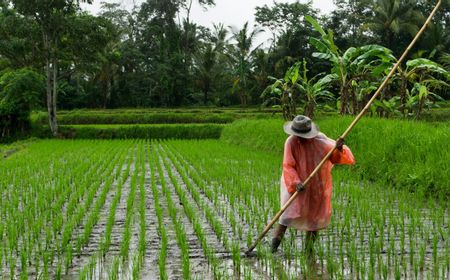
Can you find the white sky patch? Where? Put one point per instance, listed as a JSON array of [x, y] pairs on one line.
[[229, 12]]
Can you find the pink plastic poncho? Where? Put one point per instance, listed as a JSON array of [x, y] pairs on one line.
[[311, 210]]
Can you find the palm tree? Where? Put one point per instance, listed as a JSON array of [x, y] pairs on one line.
[[241, 57], [208, 59], [394, 17]]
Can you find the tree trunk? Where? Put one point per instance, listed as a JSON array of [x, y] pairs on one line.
[[309, 109], [51, 107], [54, 92], [108, 92], [343, 100], [354, 102], [403, 95], [243, 98], [51, 83], [205, 97]]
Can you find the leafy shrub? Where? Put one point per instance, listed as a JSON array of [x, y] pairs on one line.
[[19, 92], [403, 154]]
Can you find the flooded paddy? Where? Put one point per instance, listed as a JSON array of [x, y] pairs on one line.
[[189, 209]]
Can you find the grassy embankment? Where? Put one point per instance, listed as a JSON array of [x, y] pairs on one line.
[[144, 123], [404, 154]]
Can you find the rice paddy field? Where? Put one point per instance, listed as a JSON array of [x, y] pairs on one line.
[[188, 209]]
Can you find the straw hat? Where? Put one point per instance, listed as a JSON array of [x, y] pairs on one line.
[[302, 126]]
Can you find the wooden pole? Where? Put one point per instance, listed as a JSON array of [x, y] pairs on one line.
[[347, 131]]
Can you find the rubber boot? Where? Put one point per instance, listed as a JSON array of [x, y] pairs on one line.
[[278, 234]]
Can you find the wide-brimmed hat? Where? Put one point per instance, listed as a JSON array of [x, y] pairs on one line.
[[301, 126]]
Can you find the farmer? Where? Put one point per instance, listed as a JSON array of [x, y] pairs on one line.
[[303, 151]]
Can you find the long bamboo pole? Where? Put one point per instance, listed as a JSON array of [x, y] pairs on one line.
[[347, 131]]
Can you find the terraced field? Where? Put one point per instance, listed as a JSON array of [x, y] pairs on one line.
[[137, 209]]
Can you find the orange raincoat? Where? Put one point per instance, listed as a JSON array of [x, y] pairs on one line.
[[311, 210]]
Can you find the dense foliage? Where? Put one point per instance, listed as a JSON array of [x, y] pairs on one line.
[[156, 56], [19, 93]]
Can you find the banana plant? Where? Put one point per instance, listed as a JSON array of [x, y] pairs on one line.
[[369, 62], [282, 93], [314, 89], [424, 77], [285, 93], [386, 107]]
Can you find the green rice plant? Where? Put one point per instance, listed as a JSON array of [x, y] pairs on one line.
[[124, 248], [112, 213], [236, 255], [163, 255], [114, 273]]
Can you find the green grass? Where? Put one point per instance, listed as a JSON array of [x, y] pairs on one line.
[[154, 116], [402, 154], [136, 118], [158, 131]]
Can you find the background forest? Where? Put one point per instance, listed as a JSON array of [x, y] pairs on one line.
[[54, 55]]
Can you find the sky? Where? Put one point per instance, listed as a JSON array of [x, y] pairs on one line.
[[230, 12]]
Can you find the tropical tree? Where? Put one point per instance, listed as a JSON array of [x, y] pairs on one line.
[[393, 20], [346, 21], [205, 68], [241, 57], [19, 94], [368, 62], [284, 93], [420, 80], [111, 54], [290, 33], [311, 90], [51, 17]]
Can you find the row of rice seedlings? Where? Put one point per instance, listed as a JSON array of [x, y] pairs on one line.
[[158, 210], [210, 214], [124, 247], [33, 240], [234, 247], [129, 221], [140, 255], [101, 199], [235, 214], [20, 239], [106, 242], [121, 175], [93, 216], [232, 193], [192, 216], [404, 232], [394, 229], [173, 212]]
